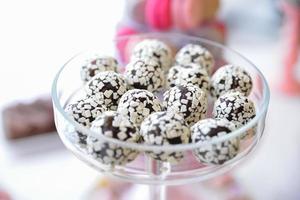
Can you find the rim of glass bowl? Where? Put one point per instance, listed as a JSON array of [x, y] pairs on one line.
[[178, 147]]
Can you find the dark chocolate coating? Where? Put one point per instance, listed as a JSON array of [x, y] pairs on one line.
[[78, 111], [144, 101], [219, 153], [107, 88], [153, 49], [193, 53], [189, 101], [96, 65], [145, 74], [192, 74], [230, 78], [114, 125], [165, 128], [234, 107]]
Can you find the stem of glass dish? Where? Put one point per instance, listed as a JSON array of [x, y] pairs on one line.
[[157, 192], [158, 170]]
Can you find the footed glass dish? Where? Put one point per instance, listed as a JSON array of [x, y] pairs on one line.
[[68, 86]]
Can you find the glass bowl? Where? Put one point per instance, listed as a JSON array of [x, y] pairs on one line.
[[67, 86]]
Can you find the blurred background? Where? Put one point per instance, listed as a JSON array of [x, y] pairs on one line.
[[38, 37]]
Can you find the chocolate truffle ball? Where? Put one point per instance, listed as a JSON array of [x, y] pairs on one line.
[[113, 125], [84, 112], [188, 74], [165, 128], [193, 53], [98, 64], [189, 101], [217, 153], [145, 74], [235, 107], [152, 48], [230, 78], [138, 104], [107, 88], [173, 75]]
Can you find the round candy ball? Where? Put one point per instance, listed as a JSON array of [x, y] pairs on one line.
[[137, 104], [193, 53], [237, 108], [189, 101], [145, 74], [218, 153], [152, 48], [165, 128], [189, 74], [98, 64], [230, 78], [113, 125], [84, 112], [107, 88], [234, 107]]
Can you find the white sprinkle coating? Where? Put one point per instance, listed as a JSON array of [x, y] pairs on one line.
[[152, 48], [113, 125], [189, 74], [107, 88], [84, 112], [165, 128], [145, 74], [218, 153], [137, 104], [98, 64], [189, 101], [173, 75], [193, 53], [230, 78], [234, 107], [237, 108]]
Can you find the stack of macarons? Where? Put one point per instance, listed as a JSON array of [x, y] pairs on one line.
[[193, 17], [171, 14]]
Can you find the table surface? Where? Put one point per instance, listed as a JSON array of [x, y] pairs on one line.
[[50, 35]]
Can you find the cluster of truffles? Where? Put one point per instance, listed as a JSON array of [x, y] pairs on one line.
[[158, 104]]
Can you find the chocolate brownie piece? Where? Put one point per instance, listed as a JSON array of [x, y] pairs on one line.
[[26, 119]]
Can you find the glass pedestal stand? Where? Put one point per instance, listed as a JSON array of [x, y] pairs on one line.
[[68, 86]]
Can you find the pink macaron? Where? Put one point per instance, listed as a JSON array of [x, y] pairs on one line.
[[164, 14], [177, 14], [151, 13], [187, 14], [192, 13], [158, 14], [122, 44]]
